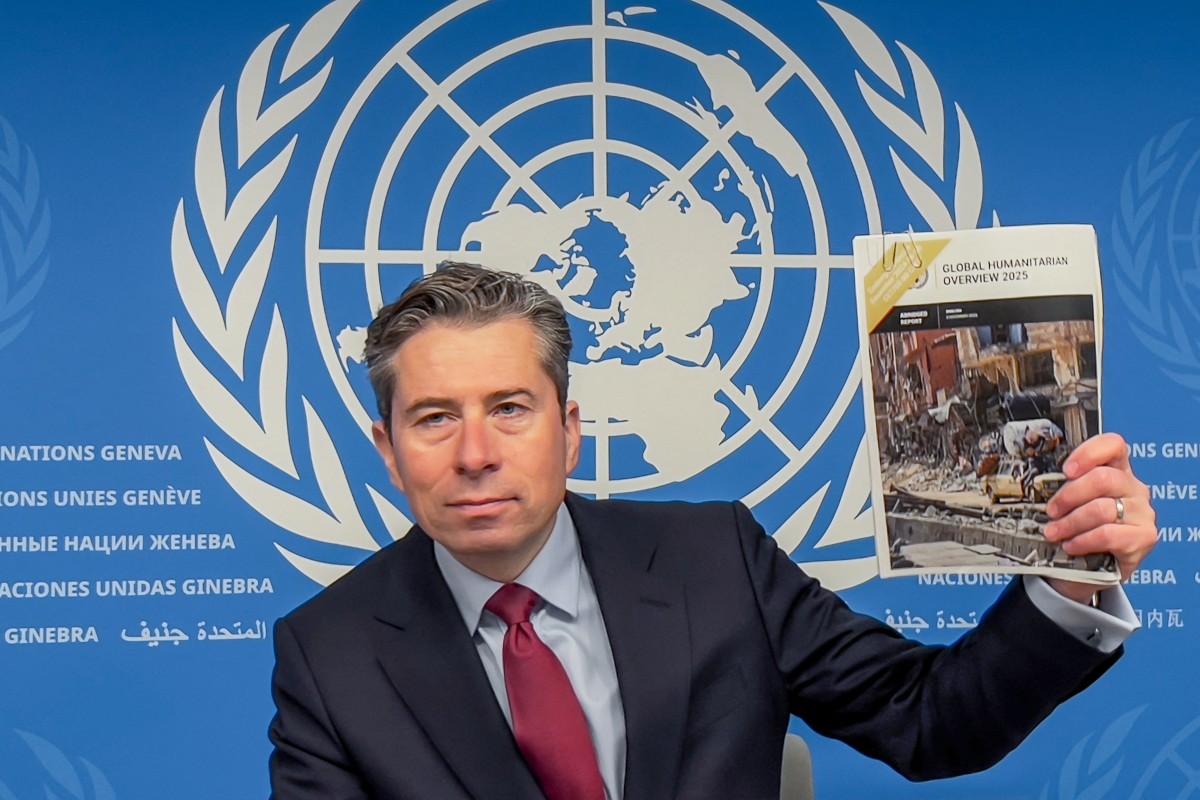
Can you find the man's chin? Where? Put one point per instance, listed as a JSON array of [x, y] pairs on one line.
[[486, 534], [499, 553]]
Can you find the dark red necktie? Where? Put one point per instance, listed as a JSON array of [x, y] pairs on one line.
[[548, 722]]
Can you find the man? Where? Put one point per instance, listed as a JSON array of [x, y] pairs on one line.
[[682, 636], [1041, 453]]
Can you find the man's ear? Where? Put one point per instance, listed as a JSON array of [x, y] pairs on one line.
[[382, 434], [571, 427]]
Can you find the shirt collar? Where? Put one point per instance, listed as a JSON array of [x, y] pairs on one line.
[[553, 574]]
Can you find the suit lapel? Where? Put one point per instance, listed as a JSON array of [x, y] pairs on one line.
[[646, 619], [431, 660]]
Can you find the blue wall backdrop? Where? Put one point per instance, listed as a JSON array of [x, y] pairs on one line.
[[201, 204]]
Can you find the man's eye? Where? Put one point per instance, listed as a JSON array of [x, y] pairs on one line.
[[432, 419], [509, 409]]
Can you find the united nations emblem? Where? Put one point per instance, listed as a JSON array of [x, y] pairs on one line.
[[679, 177]]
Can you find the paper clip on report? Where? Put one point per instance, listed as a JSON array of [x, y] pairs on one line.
[[908, 251]]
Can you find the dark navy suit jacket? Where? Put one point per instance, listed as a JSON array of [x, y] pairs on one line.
[[717, 637]]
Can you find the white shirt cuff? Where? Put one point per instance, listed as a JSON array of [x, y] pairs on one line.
[[1105, 628]]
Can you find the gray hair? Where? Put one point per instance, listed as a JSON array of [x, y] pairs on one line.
[[468, 295]]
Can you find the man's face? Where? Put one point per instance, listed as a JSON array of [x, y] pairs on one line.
[[478, 442]]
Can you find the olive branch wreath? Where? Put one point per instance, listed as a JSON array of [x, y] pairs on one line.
[[924, 135], [225, 325], [1094, 778], [1158, 323], [62, 778], [24, 231]]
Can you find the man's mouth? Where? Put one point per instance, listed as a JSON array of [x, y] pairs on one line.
[[481, 505]]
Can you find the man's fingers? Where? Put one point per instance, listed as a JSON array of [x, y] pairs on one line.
[[1103, 507], [1093, 528], [1130, 544], [1099, 512], [1099, 482], [1106, 449]]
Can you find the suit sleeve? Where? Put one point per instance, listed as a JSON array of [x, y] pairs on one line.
[[929, 712], [308, 760]]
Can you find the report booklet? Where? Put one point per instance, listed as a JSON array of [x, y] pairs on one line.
[[982, 374]]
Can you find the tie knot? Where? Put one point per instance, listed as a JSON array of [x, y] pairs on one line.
[[513, 603]]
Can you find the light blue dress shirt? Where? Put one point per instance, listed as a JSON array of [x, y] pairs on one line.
[[570, 624]]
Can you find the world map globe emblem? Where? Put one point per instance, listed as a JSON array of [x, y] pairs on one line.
[[652, 212]]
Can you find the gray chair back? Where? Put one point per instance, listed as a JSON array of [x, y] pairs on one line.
[[796, 778]]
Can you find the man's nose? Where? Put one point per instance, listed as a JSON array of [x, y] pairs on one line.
[[477, 450]]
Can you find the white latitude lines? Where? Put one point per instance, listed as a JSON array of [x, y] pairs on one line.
[[732, 87], [746, 98], [792, 261], [720, 138], [521, 177], [476, 135], [759, 419]]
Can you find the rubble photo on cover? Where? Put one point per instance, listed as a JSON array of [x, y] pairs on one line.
[[974, 424]]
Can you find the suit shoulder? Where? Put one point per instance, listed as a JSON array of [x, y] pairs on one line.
[[666, 518], [355, 591]]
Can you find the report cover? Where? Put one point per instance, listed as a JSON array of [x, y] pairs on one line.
[[984, 354]]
